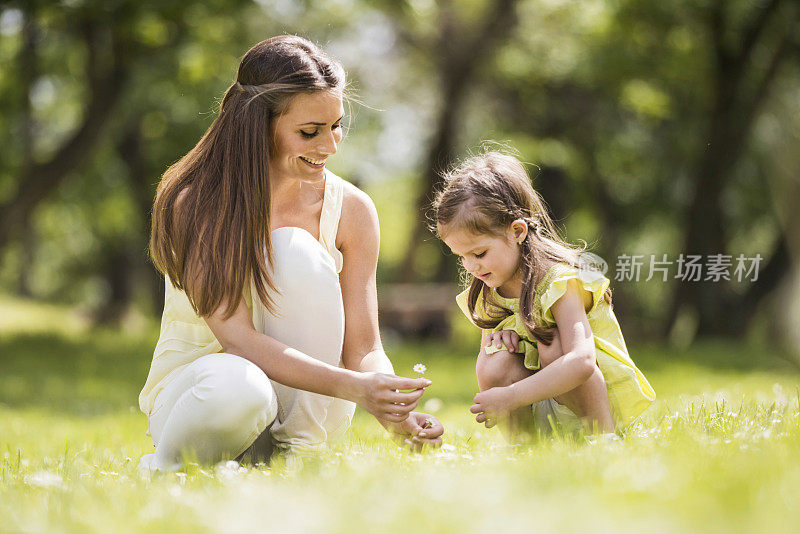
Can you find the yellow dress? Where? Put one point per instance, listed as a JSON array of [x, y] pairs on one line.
[[629, 392]]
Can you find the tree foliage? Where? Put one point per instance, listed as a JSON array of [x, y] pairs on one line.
[[654, 127]]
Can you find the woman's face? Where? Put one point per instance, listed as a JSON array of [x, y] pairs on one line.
[[305, 135]]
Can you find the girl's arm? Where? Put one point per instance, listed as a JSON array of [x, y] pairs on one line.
[[561, 376], [359, 240]]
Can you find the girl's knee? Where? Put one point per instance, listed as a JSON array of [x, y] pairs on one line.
[[499, 369], [549, 353], [597, 378]]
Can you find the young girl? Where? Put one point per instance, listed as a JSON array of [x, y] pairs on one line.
[[552, 352]]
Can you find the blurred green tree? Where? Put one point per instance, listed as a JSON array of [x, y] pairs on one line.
[[641, 118], [655, 127]]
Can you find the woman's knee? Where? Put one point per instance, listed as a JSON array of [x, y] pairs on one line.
[[499, 369], [236, 392]]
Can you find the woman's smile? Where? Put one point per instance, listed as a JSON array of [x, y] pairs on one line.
[[314, 163]]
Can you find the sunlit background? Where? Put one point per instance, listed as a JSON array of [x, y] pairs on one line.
[[654, 130]]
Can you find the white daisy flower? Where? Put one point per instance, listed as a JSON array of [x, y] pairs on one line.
[[420, 368]]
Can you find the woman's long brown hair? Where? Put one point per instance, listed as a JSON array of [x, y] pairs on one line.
[[210, 225], [484, 195]]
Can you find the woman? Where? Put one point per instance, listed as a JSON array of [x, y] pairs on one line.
[[270, 317]]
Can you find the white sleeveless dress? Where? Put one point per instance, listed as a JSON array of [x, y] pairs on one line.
[[310, 318]]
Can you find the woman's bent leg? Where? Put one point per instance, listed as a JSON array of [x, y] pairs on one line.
[[310, 319], [213, 409]]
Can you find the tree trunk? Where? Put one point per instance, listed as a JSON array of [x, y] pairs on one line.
[[37, 180], [460, 60], [143, 181], [28, 69], [733, 114]]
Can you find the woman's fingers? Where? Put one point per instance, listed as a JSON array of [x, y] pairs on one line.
[[481, 417], [416, 444], [394, 417], [380, 410], [430, 442], [401, 408], [475, 408], [404, 397], [419, 444], [432, 432], [402, 383]]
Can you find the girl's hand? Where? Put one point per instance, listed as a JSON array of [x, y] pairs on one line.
[[418, 430], [389, 398], [509, 338], [491, 405]]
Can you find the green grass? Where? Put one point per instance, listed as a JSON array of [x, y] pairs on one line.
[[716, 453]]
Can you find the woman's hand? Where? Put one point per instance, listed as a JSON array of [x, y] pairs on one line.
[[509, 338], [492, 404], [417, 431], [389, 398]]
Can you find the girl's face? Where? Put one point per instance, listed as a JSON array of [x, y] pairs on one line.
[[305, 135], [493, 259]]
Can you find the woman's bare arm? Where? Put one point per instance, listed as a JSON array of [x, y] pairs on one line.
[[360, 243], [359, 235], [281, 363]]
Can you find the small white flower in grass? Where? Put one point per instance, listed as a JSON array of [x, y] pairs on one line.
[[420, 368], [44, 479], [229, 470]]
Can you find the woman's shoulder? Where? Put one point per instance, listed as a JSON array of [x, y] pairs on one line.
[[353, 198], [359, 218]]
